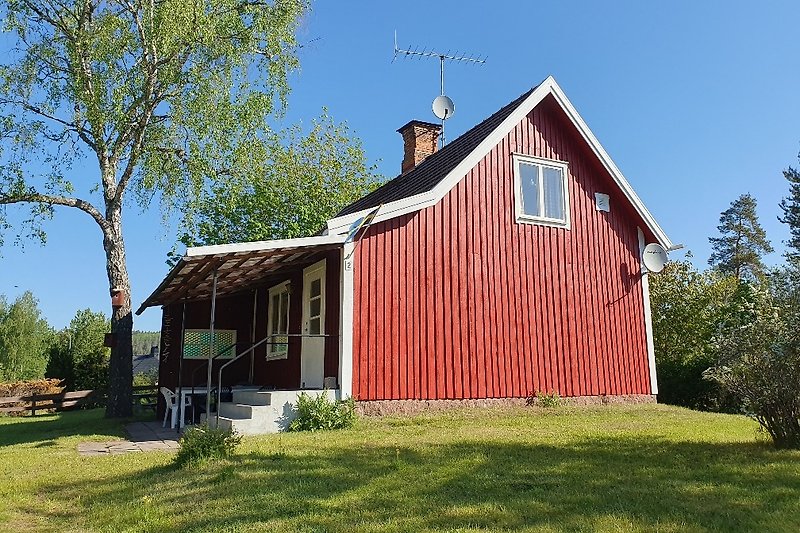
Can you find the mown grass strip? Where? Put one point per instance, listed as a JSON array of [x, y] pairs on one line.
[[636, 468]]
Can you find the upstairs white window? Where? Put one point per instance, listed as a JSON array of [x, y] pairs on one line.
[[278, 322], [541, 191]]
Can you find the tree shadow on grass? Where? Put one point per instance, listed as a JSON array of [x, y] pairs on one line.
[[43, 430], [639, 484]]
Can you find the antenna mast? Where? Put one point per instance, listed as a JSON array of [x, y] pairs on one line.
[[443, 106]]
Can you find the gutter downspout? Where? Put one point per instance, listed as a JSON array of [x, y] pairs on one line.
[[648, 318]]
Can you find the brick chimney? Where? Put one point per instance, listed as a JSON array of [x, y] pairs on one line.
[[420, 139]]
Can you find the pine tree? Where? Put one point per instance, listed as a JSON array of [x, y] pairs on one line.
[[742, 241], [791, 212]]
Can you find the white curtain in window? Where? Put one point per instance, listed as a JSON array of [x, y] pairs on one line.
[[529, 177], [553, 193]]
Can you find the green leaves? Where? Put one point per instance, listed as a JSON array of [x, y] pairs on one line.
[[163, 94], [202, 444], [287, 184], [167, 97], [78, 355], [759, 354], [24, 339], [689, 308], [316, 413]]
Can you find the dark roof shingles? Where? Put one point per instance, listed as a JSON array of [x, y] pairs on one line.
[[435, 167]]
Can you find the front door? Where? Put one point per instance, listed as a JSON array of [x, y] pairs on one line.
[[312, 354]]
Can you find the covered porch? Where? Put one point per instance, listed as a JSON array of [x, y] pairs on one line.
[[250, 320]]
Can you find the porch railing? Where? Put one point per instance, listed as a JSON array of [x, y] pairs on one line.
[[204, 365], [265, 341]]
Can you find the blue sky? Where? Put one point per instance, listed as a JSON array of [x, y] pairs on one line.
[[696, 102]]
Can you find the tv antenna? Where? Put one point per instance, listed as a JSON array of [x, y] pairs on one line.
[[443, 107]]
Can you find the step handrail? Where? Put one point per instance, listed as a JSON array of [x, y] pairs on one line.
[[252, 348], [236, 358], [201, 366]]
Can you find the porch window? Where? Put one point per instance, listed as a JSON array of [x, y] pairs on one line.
[[541, 191], [278, 322]]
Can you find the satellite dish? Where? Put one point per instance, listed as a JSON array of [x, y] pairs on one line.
[[654, 257], [443, 107]]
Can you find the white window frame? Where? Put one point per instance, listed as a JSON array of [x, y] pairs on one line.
[[521, 216], [278, 289]]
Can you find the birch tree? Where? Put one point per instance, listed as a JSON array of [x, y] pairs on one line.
[[108, 103]]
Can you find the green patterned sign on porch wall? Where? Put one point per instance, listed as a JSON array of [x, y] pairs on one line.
[[197, 343]]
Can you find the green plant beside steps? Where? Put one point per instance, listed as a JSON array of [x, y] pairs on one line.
[[319, 412]]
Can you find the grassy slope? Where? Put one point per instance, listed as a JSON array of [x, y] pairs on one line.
[[614, 469]]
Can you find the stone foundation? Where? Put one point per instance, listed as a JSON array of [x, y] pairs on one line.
[[410, 407]]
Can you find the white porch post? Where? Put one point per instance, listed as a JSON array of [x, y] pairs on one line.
[[648, 317], [212, 348], [253, 338], [346, 322]]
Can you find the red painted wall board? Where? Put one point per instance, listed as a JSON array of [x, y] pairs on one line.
[[458, 300]]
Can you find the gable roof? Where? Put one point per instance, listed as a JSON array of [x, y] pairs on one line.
[[429, 173], [429, 181]]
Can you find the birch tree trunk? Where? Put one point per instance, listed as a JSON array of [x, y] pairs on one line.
[[169, 100], [120, 393]]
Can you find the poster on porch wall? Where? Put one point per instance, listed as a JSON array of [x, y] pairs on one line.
[[197, 343]]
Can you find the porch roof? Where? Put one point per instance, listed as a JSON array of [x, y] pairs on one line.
[[238, 266]]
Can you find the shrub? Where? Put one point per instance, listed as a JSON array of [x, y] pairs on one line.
[[549, 400], [145, 379], [759, 358], [315, 413], [769, 383], [201, 444]]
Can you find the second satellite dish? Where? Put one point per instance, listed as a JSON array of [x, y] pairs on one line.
[[443, 107], [654, 257]]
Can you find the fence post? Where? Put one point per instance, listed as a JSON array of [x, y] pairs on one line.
[[33, 405]]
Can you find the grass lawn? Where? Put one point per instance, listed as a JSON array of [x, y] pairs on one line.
[[631, 468]]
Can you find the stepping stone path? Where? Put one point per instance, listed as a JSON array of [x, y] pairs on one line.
[[144, 437]]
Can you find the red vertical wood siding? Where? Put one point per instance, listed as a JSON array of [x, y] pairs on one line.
[[460, 301]]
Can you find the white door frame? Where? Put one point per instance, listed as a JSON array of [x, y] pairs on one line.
[[312, 349]]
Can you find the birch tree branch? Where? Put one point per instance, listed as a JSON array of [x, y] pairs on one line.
[[52, 199]]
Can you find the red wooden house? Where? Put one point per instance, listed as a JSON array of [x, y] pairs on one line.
[[506, 263]]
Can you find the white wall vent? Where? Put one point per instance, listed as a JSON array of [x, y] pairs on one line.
[[602, 202]]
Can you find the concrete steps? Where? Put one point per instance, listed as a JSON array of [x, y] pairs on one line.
[[256, 412]]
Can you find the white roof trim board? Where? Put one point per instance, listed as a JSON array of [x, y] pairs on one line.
[[263, 246], [410, 204]]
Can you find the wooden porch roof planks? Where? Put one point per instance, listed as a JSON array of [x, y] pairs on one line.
[[238, 266]]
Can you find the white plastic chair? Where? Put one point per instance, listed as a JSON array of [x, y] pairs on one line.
[[172, 405]]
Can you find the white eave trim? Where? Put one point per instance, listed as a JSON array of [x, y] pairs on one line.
[[264, 246], [549, 86]]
